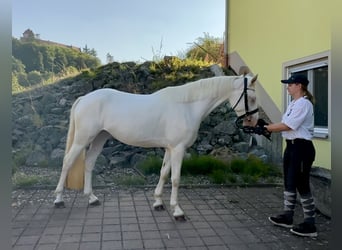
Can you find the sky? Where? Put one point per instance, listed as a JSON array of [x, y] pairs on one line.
[[129, 30]]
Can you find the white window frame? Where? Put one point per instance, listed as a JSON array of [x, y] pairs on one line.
[[307, 63]]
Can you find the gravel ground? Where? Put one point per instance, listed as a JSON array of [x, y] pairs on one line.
[[44, 177], [26, 177]]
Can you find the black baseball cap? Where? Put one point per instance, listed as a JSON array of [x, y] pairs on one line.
[[297, 79]]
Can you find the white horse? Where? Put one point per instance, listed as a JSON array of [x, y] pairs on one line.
[[169, 118]]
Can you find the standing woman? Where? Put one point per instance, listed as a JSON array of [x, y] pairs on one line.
[[297, 127]]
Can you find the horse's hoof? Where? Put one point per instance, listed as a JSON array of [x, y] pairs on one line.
[[159, 208], [59, 204], [180, 218], [95, 203]]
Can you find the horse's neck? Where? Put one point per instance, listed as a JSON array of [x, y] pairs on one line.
[[209, 105], [222, 89]]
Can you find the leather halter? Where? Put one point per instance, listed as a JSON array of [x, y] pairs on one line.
[[245, 95]]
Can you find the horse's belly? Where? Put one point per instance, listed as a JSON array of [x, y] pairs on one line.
[[153, 135], [138, 140]]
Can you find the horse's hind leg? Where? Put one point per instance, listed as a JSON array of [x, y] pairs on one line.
[[93, 152], [164, 172], [176, 158], [68, 161]]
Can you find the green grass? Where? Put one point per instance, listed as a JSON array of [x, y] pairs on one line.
[[22, 180], [130, 181], [202, 165], [151, 165], [249, 171], [253, 166], [212, 170]]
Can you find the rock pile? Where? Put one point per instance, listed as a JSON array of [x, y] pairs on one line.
[[40, 121]]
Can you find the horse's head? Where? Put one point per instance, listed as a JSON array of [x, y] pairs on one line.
[[244, 100]]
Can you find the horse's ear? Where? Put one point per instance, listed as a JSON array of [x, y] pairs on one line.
[[244, 70], [254, 78]]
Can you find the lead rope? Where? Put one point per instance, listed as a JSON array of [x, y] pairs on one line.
[[250, 140]]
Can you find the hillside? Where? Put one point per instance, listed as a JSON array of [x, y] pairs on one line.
[[35, 62]]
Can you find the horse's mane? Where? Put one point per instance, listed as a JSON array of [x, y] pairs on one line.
[[197, 90]]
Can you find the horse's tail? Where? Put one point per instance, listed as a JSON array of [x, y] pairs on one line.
[[75, 176]]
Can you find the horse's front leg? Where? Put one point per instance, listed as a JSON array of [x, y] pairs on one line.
[[177, 155], [164, 173]]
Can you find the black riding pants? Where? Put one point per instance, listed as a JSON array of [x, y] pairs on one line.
[[299, 155]]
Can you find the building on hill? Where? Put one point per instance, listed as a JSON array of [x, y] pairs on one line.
[[29, 35]]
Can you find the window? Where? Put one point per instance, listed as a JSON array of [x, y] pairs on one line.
[[317, 71]]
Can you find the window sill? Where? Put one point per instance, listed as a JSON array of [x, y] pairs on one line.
[[321, 135]]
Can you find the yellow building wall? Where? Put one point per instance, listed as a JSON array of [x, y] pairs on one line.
[[267, 33]]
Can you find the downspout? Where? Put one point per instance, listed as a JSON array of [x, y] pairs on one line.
[[226, 57]]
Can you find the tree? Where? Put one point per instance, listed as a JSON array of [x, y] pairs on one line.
[[30, 56], [206, 48], [47, 59], [88, 51], [17, 66], [60, 62], [109, 58], [85, 49], [22, 79], [93, 52]]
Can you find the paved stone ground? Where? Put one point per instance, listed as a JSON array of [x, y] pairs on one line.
[[217, 218]]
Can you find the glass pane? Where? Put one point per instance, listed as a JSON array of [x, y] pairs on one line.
[[320, 92], [304, 72]]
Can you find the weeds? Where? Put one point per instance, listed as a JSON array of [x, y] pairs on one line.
[[249, 171], [19, 157], [130, 181], [150, 166], [202, 165], [174, 70], [21, 180]]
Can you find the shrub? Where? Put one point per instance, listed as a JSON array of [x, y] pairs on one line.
[[223, 177], [16, 87], [202, 165], [88, 74], [22, 79], [237, 165], [151, 165], [218, 176], [253, 166], [249, 170], [256, 167], [34, 77], [175, 71]]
